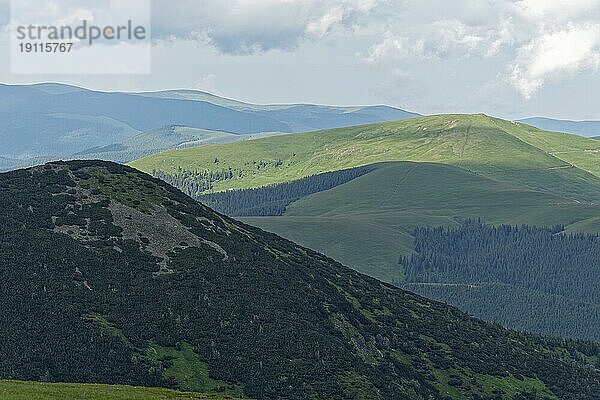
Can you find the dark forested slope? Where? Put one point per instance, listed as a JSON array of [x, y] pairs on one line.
[[267, 200], [111, 276], [531, 278]]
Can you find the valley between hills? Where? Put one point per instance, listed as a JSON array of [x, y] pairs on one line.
[[381, 182], [300, 200], [136, 282]]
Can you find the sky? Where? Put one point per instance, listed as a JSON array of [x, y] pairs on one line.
[[510, 59]]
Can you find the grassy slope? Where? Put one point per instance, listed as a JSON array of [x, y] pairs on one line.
[[366, 223], [20, 390], [577, 151], [189, 370], [496, 148]]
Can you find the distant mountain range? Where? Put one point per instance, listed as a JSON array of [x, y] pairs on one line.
[[583, 128], [48, 121], [169, 137]]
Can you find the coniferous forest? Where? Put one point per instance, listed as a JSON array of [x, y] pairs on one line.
[[300, 200], [536, 279], [505, 273], [270, 200]]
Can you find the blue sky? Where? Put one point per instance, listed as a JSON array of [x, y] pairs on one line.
[[506, 58]]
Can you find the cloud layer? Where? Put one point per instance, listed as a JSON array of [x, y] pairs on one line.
[[514, 49], [543, 40], [250, 26]]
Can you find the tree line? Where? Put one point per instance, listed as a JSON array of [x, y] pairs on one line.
[[272, 200]]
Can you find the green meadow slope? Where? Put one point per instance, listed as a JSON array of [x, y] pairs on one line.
[[476, 166], [430, 171], [367, 223], [493, 147], [454, 168]]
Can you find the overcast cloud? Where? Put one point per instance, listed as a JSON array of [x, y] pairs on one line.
[[507, 58]]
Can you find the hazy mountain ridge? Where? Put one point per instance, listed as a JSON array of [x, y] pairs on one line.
[[155, 140], [583, 128], [54, 121]]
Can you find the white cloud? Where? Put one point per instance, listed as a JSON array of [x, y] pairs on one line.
[[546, 40], [392, 47], [60, 12], [553, 40], [555, 11], [327, 22], [231, 26], [515, 47], [448, 38], [452, 37], [503, 36], [567, 51]]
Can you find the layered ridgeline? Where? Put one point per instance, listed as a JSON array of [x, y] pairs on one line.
[[111, 276], [503, 150], [583, 128], [367, 205], [157, 140], [54, 121]]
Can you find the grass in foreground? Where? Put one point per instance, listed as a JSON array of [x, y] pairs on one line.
[[19, 390]]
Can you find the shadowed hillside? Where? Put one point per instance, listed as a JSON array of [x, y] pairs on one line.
[[111, 276]]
